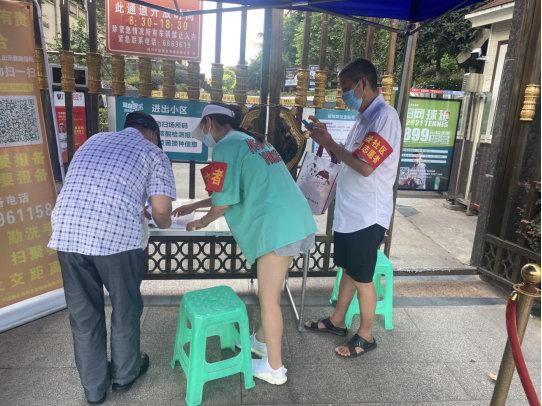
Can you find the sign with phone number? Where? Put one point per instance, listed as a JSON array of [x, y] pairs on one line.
[[140, 30]]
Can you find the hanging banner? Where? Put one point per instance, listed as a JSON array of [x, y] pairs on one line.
[[79, 122], [27, 195], [140, 30], [174, 117], [428, 146]]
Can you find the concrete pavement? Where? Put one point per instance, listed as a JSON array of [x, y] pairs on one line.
[[441, 352]]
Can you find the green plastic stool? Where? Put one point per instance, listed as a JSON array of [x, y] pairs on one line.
[[211, 312], [384, 294]]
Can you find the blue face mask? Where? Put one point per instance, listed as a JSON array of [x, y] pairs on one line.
[[209, 140], [351, 100]]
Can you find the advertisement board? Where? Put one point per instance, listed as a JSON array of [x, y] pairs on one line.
[[27, 193], [428, 146], [79, 121]]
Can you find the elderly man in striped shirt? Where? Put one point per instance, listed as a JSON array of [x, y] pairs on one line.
[[99, 233]]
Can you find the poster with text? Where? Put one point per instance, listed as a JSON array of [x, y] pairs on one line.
[[136, 29], [27, 195], [339, 123], [428, 146], [290, 79], [174, 117], [79, 121]]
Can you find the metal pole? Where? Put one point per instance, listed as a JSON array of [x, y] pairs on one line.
[[93, 127], [217, 71], [218, 32], [241, 71], [192, 180], [402, 109], [306, 259], [323, 43], [264, 84], [345, 58], [65, 31], [243, 40], [319, 100], [303, 74], [526, 293], [46, 98], [369, 42], [392, 48], [276, 73]]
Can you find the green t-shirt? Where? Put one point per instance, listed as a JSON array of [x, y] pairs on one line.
[[266, 209]]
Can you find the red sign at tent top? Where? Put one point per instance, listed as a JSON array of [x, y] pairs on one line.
[[134, 29]]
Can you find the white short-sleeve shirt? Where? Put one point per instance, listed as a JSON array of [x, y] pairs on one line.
[[362, 201]]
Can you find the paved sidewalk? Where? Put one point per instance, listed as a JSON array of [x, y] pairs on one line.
[[442, 349]]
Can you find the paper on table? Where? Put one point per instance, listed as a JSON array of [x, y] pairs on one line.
[[177, 222]]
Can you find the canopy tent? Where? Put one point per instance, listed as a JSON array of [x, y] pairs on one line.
[[408, 10], [416, 12]]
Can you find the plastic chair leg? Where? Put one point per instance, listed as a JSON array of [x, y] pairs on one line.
[[244, 336], [180, 339], [388, 302], [195, 378], [227, 337]]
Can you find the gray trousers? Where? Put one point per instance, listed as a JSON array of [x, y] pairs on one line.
[[84, 277]]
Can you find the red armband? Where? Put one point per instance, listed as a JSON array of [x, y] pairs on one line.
[[213, 176], [374, 149]]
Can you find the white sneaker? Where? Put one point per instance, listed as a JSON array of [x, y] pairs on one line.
[[262, 370], [258, 348]]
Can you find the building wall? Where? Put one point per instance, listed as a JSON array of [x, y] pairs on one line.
[[499, 32], [492, 71], [476, 143], [485, 112], [51, 18]]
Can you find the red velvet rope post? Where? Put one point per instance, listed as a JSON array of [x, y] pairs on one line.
[[515, 346]]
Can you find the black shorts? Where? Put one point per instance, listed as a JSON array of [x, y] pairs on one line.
[[356, 252]]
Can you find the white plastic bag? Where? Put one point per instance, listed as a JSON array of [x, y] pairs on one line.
[[317, 180]]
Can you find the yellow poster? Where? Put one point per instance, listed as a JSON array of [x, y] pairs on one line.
[[27, 195]]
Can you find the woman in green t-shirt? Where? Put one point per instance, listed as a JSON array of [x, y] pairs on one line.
[[266, 212]]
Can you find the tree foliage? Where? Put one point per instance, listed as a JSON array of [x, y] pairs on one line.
[[435, 65]]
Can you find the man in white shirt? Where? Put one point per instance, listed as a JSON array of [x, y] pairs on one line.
[[364, 199]]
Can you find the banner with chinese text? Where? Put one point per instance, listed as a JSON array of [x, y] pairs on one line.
[[27, 195], [428, 146], [79, 121], [174, 117], [140, 30]]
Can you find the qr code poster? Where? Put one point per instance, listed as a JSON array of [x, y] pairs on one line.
[[20, 121]]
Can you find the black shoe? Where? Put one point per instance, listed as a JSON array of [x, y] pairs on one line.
[[142, 370], [97, 402]]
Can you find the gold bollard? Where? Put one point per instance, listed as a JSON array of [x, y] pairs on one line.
[[524, 293]]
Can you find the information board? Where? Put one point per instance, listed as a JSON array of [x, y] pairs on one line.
[[174, 117], [27, 195], [428, 146], [140, 30]]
